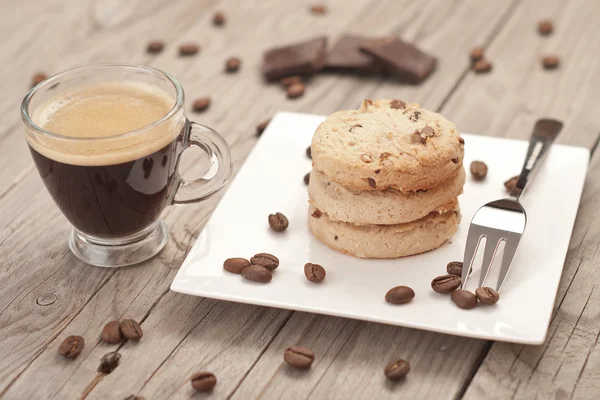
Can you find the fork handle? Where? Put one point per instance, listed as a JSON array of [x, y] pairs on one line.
[[544, 133]]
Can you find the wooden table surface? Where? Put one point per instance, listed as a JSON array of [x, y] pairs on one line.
[[47, 294]]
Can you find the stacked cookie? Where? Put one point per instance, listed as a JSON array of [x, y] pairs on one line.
[[385, 180]]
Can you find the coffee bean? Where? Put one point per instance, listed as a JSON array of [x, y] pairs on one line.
[[545, 27], [307, 179], [188, 49], [131, 330], [487, 295], [155, 47], [299, 357], [111, 333], [482, 66], [232, 64], [550, 62], [309, 152], [314, 272], [257, 273], [218, 19], [290, 80], [260, 128], [235, 265], [445, 284], [204, 381], [454, 268], [295, 90], [269, 261], [511, 184], [201, 104], [109, 362], [71, 346], [479, 170], [278, 222], [464, 299], [38, 78], [476, 54], [399, 295], [396, 370], [318, 9], [398, 104]]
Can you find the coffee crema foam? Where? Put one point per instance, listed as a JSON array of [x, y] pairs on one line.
[[98, 113]]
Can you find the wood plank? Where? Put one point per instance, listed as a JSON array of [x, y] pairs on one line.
[[508, 101]]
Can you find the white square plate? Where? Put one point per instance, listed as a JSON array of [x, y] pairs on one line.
[[271, 180]]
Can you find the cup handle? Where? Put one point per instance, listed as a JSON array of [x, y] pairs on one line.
[[221, 164]]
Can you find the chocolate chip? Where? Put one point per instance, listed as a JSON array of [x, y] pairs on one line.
[[295, 90], [218, 19], [278, 222], [307, 179], [415, 116], [260, 128], [487, 295], [445, 284], [425, 133], [372, 182], [309, 152], [314, 272], [235, 265], [464, 299], [188, 49], [38, 78], [71, 346], [545, 27], [461, 140], [131, 330], [317, 213], [476, 54], [111, 333], [109, 362], [155, 47], [454, 268], [399, 295], [377, 171], [201, 104], [269, 261], [479, 170], [299, 357], [511, 184], [354, 126], [257, 273], [336, 237], [482, 66], [290, 80], [232, 65], [396, 370], [550, 62], [455, 160], [203, 381], [398, 104]]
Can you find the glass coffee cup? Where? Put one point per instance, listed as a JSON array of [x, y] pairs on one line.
[[107, 141]]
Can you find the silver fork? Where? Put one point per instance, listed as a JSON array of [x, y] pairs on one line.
[[504, 220]]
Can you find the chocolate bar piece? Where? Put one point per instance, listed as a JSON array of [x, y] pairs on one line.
[[346, 55], [402, 59], [298, 59]]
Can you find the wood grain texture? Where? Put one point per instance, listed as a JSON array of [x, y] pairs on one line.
[[243, 344]]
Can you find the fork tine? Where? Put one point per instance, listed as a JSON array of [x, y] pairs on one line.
[[473, 240], [491, 247], [510, 247]]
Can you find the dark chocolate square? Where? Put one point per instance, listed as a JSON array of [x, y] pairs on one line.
[[402, 59], [347, 56], [297, 59]]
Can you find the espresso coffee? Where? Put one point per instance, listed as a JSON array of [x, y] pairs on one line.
[[108, 180]]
